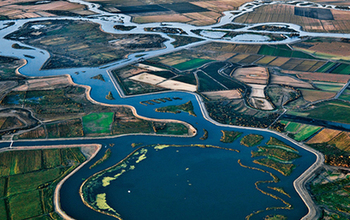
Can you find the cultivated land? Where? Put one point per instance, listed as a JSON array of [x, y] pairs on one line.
[[299, 89], [29, 178]]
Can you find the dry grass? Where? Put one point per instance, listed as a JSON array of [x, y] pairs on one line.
[[252, 75], [226, 94], [44, 84], [327, 77], [265, 60], [148, 78], [279, 61], [11, 9], [290, 81], [176, 85], [315, 95]]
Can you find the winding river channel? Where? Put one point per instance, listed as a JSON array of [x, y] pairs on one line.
[[176, 182]]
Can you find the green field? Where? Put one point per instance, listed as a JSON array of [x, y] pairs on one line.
[[251, 140], [282, 52], [335, 87], [305, 132], [194, 63], [325, 67], [98, 122], [292, 127], [29, 192], [207, 84], [342, 69], [340, 111]]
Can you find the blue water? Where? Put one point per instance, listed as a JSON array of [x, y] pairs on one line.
[[220, 189]]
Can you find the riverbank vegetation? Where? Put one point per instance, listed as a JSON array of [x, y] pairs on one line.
[[205, 135], [331, 192], [251, 140], [29, 178], [107, 155], [230, 136], [284, 168], [186, 107], [8, 68]]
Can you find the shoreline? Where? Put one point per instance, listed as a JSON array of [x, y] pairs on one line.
[[56, 200], [299, 183]]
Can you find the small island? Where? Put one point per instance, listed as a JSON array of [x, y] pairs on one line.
[[110, 96], [187, 107]]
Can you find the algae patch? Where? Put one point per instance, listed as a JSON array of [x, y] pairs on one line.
[[101, 203]]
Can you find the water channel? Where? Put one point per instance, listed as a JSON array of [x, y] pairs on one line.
[[173, 183]]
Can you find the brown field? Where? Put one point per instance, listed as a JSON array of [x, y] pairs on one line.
[[279, 61], [238, 58], [316, 66], [34, 134], [226, 94], [44, 83], [252, 75], [332, 2], [315, 95], [265, 60], [324, 135], [290, 81], [11, 9], [291, 64], [340, 50], [164, 18], [285, 13], [305, 65], [327, 77], [202, 18], [341, 141], [250, 59]]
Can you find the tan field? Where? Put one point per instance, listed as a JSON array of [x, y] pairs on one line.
[[163, 18], [252, 75], [315, 95], [340, 50], [327, 77], [225, 94], [324, 136], [265, 60], [176, 85], [289, 81], [44, 84], [13, 11], [148, 78], [279, 61]]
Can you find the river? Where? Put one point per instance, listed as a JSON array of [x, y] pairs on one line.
[[234, 195]]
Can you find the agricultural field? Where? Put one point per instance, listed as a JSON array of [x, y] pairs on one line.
[[22, 9], [71, 46], [337, 21], [340, 111], [192, 12], [325, 48], [31, 177]]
